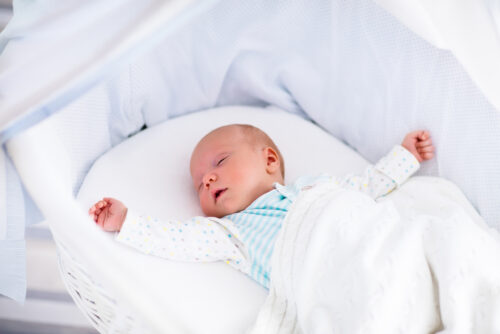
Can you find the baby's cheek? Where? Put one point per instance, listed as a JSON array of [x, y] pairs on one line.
[[204, 205]]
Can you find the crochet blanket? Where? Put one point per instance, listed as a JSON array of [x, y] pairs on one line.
[[418, 261]]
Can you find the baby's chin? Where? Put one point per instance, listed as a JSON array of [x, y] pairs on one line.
[[221, 211], [214, 212], [218, 213]]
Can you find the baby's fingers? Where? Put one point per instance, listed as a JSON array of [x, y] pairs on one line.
[[100, 220], [427, 156], [96, 209], [425, 149], [424, 135], [424, 143], [99, 205]]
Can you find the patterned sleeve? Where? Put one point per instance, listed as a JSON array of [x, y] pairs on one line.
[[389, 173], [199, 239]]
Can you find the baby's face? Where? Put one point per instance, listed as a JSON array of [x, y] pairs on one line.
[[228, 172]]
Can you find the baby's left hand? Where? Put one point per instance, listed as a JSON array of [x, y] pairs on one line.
[[419, 144]]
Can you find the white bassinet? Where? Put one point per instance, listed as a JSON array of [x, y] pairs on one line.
[[365, 71]]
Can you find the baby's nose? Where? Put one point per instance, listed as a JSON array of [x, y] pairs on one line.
[[209, 178]]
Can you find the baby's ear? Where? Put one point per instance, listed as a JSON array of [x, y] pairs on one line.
[[272, 160]]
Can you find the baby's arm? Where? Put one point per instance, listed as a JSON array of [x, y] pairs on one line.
[[393, 169], [199, 239]]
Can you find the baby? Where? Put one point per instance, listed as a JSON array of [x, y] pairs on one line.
[[238, 173]]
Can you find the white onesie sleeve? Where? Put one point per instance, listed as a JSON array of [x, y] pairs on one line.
[[199, 239], [389, 173]]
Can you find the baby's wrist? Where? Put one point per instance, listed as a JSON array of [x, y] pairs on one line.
[[405, 146]]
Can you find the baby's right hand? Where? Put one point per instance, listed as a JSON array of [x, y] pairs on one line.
[[109, 214]]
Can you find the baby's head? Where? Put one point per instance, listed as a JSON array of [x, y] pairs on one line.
[[232, 166]]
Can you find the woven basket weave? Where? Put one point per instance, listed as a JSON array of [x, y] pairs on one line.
[[99, 307]]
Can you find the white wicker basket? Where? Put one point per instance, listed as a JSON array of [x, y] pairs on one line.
[[100, 308]]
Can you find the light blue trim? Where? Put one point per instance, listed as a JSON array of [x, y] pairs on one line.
[[260, 223], [13, 247], [13, 269], [23, 123]]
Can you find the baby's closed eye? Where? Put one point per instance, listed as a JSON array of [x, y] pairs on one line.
[[221, 160]]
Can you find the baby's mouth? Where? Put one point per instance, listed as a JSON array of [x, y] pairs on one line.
[[218, 193]]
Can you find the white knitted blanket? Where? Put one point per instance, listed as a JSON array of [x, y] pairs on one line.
[[419, 261]]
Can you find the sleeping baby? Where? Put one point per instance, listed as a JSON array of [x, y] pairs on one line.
[[238, 173]]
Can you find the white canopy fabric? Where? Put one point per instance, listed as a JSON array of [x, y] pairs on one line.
[[363, 70], [54, 51], [99, 36], [470, 29]]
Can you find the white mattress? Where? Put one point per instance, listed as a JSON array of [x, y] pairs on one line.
[[150, 173]]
